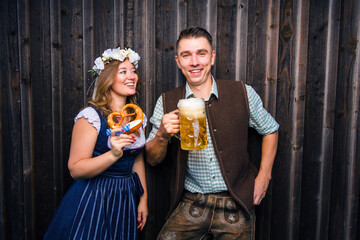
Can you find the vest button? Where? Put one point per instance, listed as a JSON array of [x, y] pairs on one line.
[[215, 130], [210, 105], [220, 151]]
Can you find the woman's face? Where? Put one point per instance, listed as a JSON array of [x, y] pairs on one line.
[[126, 79]]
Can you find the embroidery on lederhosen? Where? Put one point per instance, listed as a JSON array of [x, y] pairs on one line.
[[198, 211], [230, 214]]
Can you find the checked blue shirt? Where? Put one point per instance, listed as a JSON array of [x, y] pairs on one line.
[[203, 172]]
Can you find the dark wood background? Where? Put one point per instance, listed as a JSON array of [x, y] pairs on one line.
[[302, 57]]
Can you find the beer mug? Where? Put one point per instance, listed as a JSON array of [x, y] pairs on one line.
[[192, 123]]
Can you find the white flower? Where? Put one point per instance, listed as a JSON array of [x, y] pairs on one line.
[[115, 54], [134, 57], [118, 54], [99, 65], [107, 54]]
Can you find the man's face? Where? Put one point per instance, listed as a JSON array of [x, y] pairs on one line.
[[195, 58]]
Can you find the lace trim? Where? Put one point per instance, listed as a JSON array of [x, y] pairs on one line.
[[92, 116]]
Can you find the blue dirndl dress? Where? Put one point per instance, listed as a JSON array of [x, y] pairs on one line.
[[104, 206]]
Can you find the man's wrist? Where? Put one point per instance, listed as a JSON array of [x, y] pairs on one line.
[[162, 137], [265, 174]]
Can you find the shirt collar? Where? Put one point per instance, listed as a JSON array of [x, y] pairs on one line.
[[214, 90]]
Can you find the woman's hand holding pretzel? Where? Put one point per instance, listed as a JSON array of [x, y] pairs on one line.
[[119, 142]]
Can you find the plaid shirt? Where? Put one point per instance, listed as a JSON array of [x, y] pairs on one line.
[[203, 172]]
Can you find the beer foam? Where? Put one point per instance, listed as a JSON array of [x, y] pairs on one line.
[[192, 103]]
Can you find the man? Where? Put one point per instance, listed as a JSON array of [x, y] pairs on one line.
[[213, 190]]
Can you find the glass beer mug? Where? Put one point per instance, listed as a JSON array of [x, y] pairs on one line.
[[192, 124]]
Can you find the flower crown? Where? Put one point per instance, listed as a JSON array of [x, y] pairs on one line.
[[110, 55]]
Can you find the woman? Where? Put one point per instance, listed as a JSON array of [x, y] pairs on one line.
[[110, 171]]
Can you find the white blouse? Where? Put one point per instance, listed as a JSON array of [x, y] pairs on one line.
[[93, 117]]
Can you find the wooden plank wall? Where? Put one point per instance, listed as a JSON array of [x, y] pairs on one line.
[[301, 56]]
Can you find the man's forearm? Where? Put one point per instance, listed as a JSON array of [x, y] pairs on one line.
[[269, 148], [156, 149]]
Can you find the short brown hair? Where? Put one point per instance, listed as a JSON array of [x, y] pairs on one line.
[[194, 32]]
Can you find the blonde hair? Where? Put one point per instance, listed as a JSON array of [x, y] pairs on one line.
[[103, 97]]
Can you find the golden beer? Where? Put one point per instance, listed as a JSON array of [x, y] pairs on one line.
[[192, 124]]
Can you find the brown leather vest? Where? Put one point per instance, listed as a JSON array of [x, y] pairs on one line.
[[228, 119]]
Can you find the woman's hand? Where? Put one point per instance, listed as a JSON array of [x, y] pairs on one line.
[[119, 142], [142, 214]]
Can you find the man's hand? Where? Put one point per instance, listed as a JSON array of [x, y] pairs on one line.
[[260, 188], [170, 124], [269, 147]]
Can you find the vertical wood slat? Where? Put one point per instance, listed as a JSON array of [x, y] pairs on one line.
[[146, 65], [103, 14], [26, 128], [211, 22], [2, 192], [2, 184], [346, 160], [163, 50], [88, 48], [298, 108], [129, 21], [226, 22], [3, 76], [147, 98], [354, 146], [73, 84], [241, 40], [256, 43], [272, 43], [267, 89], [11, 125], [181, 23], [42, 114], [320, 110], [143, 26], [254, 75], [353, 132], [56, 101], [292, 79], [118, 24], [165, 38]]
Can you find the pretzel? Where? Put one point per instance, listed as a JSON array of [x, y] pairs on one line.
[[122, 114]]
